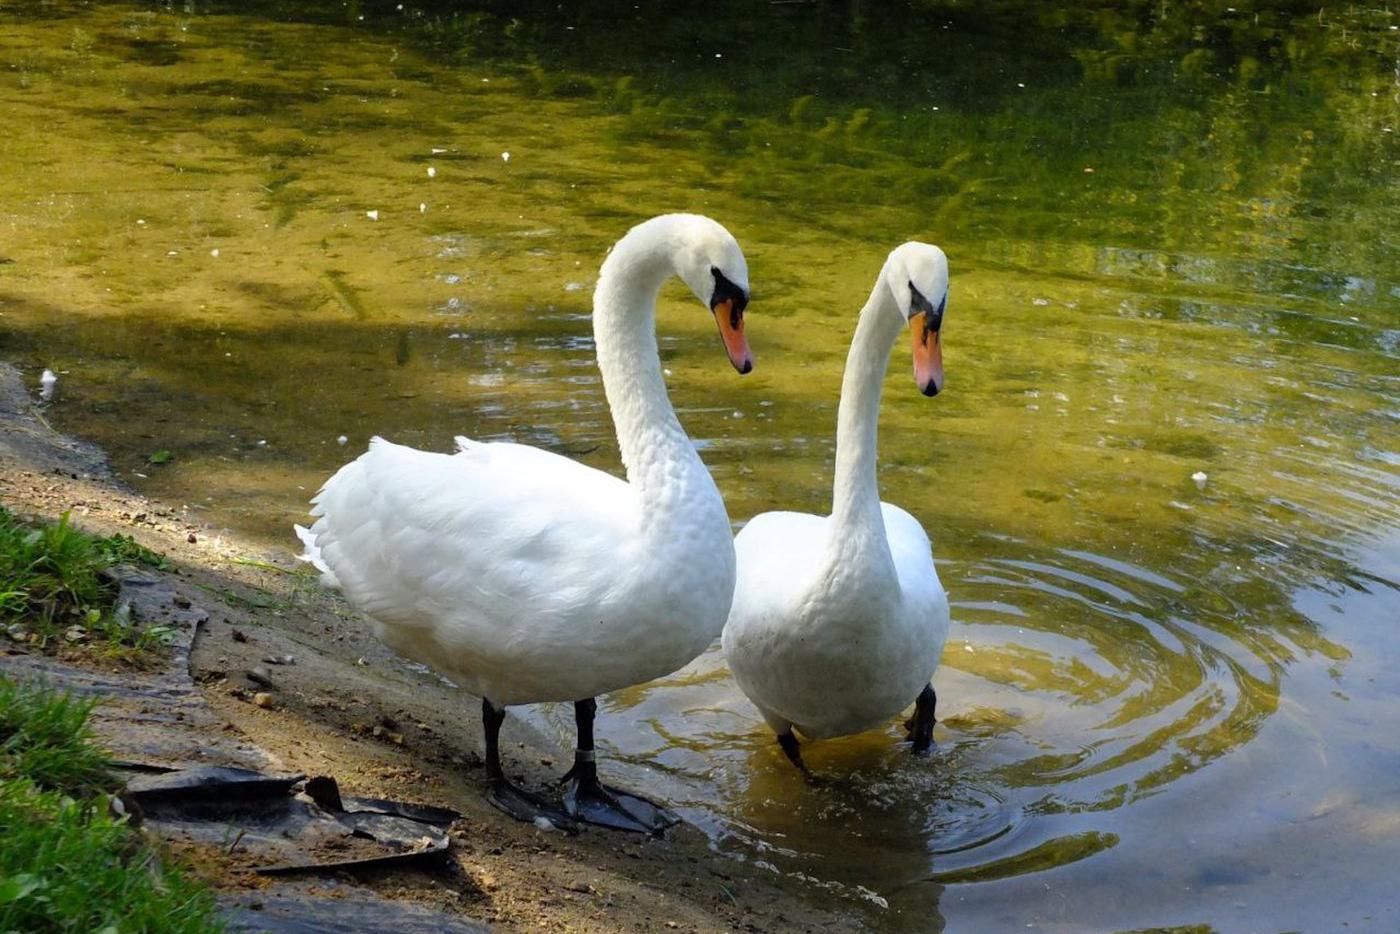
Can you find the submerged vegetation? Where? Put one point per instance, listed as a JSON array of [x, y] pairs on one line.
[[55, 592], [67, 862]]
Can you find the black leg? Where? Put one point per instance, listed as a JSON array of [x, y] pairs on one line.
[[793, 751], [920, 726], [588, 799], [516, 802]]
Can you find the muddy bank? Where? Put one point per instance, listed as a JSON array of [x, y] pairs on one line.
[[287, 669]]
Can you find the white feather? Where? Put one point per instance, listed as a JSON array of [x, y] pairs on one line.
[[839, 621]]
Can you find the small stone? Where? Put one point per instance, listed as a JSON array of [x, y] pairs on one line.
[[262, 699], [580, 886], [238, 636], [1199, 478], [76, 633], [260, 676], [191, 538], [182, 602]]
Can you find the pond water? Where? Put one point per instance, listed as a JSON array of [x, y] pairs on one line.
[[239, 232]]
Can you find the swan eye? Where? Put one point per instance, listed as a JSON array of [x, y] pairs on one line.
[[933, 317], [728, 291]]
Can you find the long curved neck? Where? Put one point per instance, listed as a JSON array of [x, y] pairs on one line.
[[652, 442], [858, 532]]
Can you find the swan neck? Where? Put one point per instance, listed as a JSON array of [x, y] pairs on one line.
[[858, 525], [650, 438]]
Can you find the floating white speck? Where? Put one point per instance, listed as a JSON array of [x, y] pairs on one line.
[[966, 647], [1200, 479], [432, 172], [1088, 170], [572, 286], [438, 150], [172, 253], [505, 157], [545, 824], [719, 55], [47, 381], [140, 222], [1020, 84], [372, 215], [422, 208], [667, 372], [214, 252], [1040, 301], [342, 441], [262, 443]]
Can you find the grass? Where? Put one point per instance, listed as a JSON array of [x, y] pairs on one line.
[[67, 863], [51, 581], [44, 738]]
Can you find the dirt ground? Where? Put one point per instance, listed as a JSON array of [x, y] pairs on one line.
[[348, 708]]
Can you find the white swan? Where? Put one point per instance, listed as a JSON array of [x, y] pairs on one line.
[[839, 621], [526, 577]]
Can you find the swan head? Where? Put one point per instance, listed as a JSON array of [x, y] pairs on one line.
[[917, 276], [708, 259]]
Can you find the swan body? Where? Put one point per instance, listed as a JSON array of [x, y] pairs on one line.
[[839, 621], [525, 576]]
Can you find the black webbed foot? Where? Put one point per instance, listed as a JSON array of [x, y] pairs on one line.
[[524, 806], [589, 800]]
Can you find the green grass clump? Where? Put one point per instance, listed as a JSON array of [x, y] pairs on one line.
[[44, 738], [66, 863], [51, 579]]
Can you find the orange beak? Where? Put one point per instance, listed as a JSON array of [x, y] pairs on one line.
[[928, 355], [731, 331]]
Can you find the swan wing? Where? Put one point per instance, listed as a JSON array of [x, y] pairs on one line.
[[483, 544], [918, 578], [775, 553]]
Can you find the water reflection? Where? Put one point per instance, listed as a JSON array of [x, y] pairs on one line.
[[1172, 232]]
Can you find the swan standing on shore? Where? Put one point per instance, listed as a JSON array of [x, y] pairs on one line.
[[527, 577], [839, 621]]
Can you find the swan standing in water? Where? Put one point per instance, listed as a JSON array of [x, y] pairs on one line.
[[839, 621], [527, 577]]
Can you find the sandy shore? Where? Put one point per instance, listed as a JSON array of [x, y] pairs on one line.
[[349, 708]]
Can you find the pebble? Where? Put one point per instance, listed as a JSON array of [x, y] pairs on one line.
[[262, 699], [259, 675], [1199, 478]]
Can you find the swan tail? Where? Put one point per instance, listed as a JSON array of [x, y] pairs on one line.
[[312, 556]]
